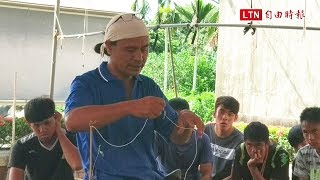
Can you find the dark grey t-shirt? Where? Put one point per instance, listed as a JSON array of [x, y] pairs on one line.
[[171, 156], [223, 150]]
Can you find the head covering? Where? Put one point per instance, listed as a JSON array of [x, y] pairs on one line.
[[124, 26]]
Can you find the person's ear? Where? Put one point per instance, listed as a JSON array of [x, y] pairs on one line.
[[236, 118]]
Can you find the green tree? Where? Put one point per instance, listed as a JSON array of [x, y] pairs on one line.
[[164, 14], [199, 13]]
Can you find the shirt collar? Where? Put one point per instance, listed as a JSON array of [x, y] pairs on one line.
[[107, 76]]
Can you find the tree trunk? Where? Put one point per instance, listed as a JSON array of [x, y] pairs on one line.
[[195, 65], [165, 74]]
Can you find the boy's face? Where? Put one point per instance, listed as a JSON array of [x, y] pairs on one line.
[[311, 133], [257, 150], [45, 130], [224, 118]]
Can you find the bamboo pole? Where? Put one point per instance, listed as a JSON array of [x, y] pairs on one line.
[[55, 32], [172, 63], [90, 166], [13, 138]]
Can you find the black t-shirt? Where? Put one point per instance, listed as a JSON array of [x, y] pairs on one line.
[[40, 163], [277, 165]]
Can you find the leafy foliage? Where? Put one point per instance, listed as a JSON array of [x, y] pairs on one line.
[[22, 129], [183, 62], [202, 104]]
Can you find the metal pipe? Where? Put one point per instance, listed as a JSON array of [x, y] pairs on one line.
[[206, 25], [233, 25]]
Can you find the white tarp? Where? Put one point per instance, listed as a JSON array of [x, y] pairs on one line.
[[274, 73]]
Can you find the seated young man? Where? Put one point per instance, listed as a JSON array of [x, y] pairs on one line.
[[297, 141], [257, 159], [224, 138], [47, 153], [172, 156], [307, 164]]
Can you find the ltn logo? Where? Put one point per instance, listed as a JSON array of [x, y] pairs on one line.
[[250, 14]]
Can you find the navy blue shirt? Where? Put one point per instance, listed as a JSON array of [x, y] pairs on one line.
[[171, 156], [136, 160]]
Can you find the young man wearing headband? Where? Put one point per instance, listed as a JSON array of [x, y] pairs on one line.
[[124, 108], [257, 159], [47, 153]]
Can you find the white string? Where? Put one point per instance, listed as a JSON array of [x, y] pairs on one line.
[[123, 145], [126, 144], [195, 155], [94, 164]]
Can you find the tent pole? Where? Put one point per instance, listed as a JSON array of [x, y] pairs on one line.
[[55, 33], [13, 139]]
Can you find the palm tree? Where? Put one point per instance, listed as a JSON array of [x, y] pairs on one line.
[[143, 9], [165, 15], [199, 13]]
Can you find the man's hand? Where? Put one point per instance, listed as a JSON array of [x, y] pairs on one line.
[[252, 166], [148, 107], [187, 119], [253, 162]]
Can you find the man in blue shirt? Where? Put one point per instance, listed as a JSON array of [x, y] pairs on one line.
[[193, 158], [124, 107]]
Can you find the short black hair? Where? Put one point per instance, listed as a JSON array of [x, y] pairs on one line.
[[256, 131], [295, 136], [228, 102], [179, 104], [310, 114], [97, 47], [39, 109]]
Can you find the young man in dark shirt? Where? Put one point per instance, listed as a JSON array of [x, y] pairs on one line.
[[257, 159], [194, 158], [47, 153]]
